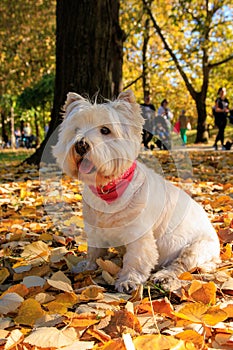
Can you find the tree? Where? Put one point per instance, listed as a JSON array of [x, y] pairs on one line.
[[194, 35], [88, 37]]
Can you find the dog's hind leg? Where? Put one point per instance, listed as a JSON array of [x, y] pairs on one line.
[[203, 254]]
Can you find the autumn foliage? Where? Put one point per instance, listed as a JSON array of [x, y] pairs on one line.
[[44, 305]]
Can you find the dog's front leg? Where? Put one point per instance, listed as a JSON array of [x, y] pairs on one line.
[[140, 258], [92, 254]]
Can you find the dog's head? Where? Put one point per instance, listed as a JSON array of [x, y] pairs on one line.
[[98, 142]]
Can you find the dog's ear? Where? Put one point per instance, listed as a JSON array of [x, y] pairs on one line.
[[72, 97], [127, 96], [73, 100]]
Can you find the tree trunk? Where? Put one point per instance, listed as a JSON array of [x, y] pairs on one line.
[[88, 37], [202, 133]]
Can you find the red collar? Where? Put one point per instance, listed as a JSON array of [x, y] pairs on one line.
[[115, 188]]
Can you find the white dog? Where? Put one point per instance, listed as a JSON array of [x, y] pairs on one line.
[[127, 204]]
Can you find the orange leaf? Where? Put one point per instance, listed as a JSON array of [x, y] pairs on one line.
[[81, 321], [226, 252], [203, 292], [20, 289], [120, 321], [192, 336], [186, 276], [113, 345], [162, 307]]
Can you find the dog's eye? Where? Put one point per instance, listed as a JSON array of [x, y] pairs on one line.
[[104, 130]]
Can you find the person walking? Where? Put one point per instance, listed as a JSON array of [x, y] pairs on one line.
[[148, 113], [220, 111], [183, 126]]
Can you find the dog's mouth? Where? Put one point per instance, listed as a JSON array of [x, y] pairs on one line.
[[85, 166]]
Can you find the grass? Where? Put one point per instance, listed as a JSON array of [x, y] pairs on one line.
[[14, 157]]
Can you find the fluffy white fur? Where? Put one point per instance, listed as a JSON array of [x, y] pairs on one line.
[[162, 228]]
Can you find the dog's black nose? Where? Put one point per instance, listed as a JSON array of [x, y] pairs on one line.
[[82, 147]]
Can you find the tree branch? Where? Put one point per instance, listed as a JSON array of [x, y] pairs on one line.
[[169, 50], [212, 65]]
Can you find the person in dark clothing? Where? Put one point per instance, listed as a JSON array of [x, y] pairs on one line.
[[221, 109], [148, 112]]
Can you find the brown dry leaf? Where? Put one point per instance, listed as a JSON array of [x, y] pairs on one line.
[[160, 342], [226, 234], [4, 273], [108, 265], [203, 292], [29, 311], [120, 321], [224, 339]]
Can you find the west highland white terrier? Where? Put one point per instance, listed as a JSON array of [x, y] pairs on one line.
[[127, 204]]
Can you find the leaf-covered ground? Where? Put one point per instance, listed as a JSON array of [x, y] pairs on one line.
[[44, 305]]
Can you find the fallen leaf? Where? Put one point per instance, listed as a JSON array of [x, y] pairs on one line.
[[10, 302], [14, 338], [4, 273], [46, 337], [203, 292], [60, 281], [108, 265], [29, 311]]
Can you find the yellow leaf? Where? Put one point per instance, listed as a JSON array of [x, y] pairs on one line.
[[67, 299], [159, 342], [4, 273], [213, 316], [200, 313], [29, 311], [56, 307], [192, 312]]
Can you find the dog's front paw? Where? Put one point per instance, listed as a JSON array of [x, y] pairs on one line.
[[127, 282], [126, 286], [167, 279]]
